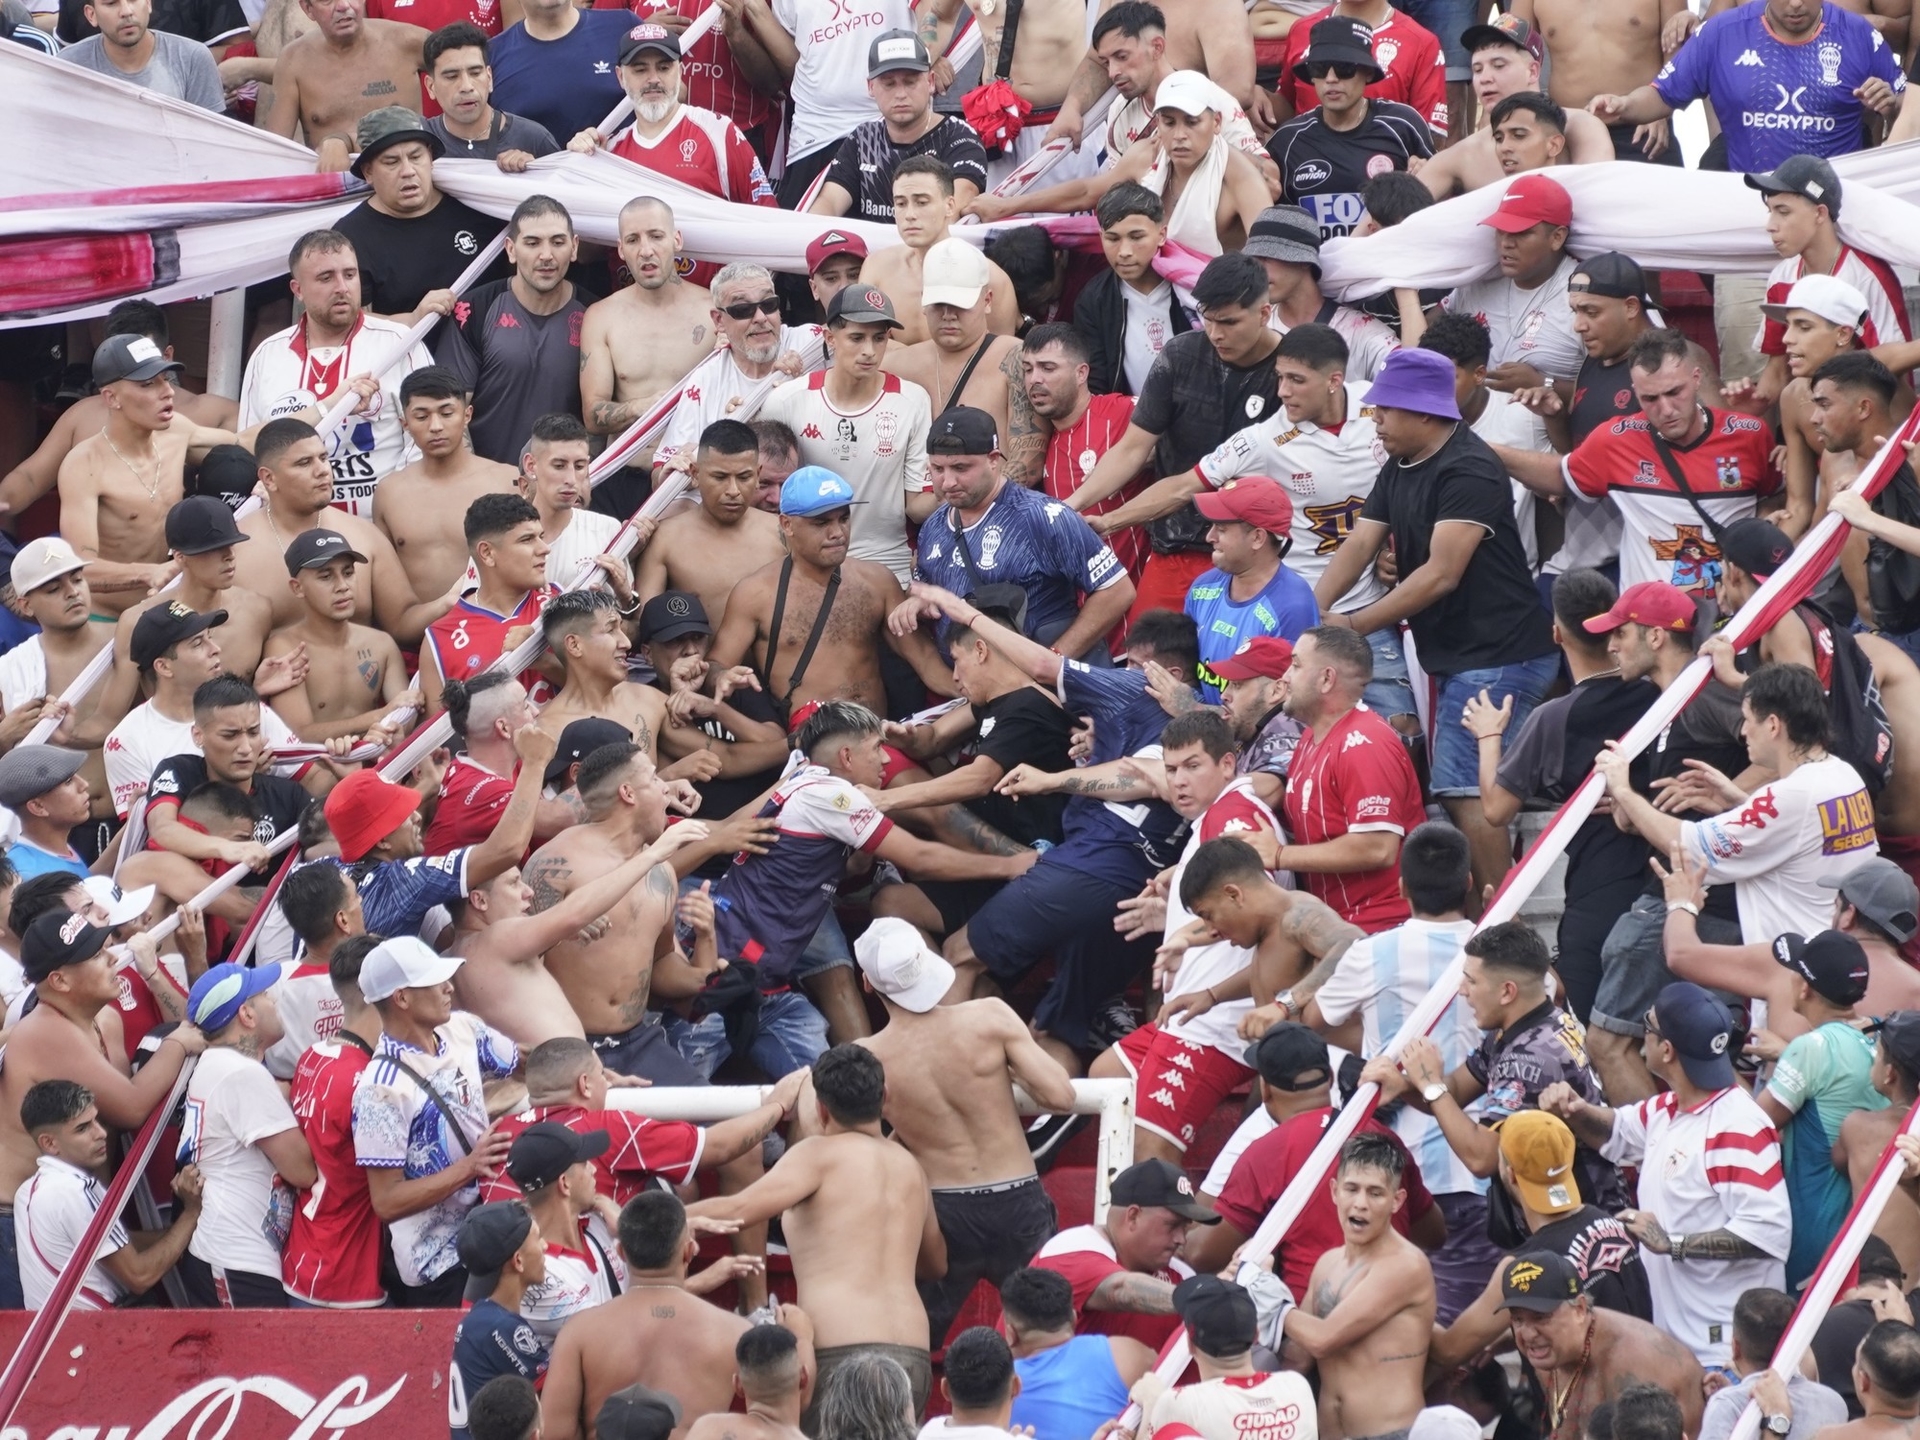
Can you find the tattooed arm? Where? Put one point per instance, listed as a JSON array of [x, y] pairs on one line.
[[1026, 439], [1706, 1245], [1109, 781], [1309, 931], [1134, 1293], [959, 825], [549, 877]]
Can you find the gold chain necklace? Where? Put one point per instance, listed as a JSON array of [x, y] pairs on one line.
[[1557, 1411], [152, 486]]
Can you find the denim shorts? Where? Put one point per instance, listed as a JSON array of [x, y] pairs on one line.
[[1390, 692], [1633, 964], [1448, 20], [1456, 754]]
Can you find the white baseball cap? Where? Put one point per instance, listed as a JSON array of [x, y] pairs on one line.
[[122, 906], [404, 963], [1827, 296], [954, 273], [1189, 92], [42, 561], [898, 964]]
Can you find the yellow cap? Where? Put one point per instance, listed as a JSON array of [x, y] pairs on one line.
[[1538, 1148]]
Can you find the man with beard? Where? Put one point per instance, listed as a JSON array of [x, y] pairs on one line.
[[454, 60], [1254, 704], [515, 344], [327, 79], [900, 80], [702, 548]]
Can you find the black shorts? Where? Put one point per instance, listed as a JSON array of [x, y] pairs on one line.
[[646, 1052], [229, 1289], [958, 901], [991, 1231], [1625, 149]]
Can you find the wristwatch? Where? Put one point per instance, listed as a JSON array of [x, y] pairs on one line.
[[1285, 1001], [1777, 1424], [1675, 1244], [1433, 1092]]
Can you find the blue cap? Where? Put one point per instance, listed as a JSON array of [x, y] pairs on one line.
[[217, 996], [1700, 1031], [814, 489], [1417, 380]]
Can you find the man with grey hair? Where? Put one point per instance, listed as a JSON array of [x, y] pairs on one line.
[[746, 313]]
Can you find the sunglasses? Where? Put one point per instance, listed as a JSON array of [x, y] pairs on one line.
[[1338, 72], [747, 309]]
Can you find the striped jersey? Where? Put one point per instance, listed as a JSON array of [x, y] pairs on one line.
[[1714, 1167], [1383, 977]]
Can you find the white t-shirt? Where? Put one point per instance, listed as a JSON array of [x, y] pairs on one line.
[[579, 1277], [718, 381], [1276, 1406], [1149, 326], [281, 379], [146, 737], [1715, 1167], [1368, 341], [51, 1213], [830, 83], [1238, 810], [310, 1011], [881, 451], [1327, 476], [232, 1105], [1815, 824], [941, 1427], [1507, 422], [1134, 120], [23, 674], [588, 534], [1534, 327]]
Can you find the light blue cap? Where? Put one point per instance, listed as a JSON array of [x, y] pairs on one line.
[[813, 490]]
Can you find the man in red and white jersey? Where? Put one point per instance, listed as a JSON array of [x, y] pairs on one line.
[[683, 142], [1191, 1058], [719, 66], [1055, 364], [1408, 51], [1713, 1220], [1352, 795], [504, 538], [309, 363], [1231, 1397], [323, 909], [1124, 1269], [434, 14]]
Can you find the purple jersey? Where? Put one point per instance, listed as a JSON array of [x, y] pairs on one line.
[[766, 907], [1776, 99]]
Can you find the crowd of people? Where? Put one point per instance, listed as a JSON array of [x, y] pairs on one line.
[[1037, 662]]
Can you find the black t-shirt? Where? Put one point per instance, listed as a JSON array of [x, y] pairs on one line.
[[1193, 400], [1707, 729], [867, 158], [725, 794], [1605, 1254], [278, 803], [1552, 754], [401, 260], [517, 365], [1494, 616], [1023, 727], [211, 22], [1602, 393], [1323, 170]]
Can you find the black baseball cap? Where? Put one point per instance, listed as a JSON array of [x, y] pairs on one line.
[[580, 739], [671, 614], [1609, 273], [1220, 1316], [312, 548], [1807, 176], [1541, 1281], [1698, 1027], [637, 1413], [963, 430], [542, 1153], [57, 939], [1757, 546], [165, 626], [488, 1238], [1899, 1032], [1291, 1057], [199, 524], [227, 473], [1160, 1185], [649, 36], [1833, 963], [862, 305], [130, 357]]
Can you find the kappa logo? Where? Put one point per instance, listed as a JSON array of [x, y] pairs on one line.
[[812, 432], [1354, 737], [1749, 57]]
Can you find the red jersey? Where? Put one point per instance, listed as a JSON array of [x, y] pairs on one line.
[[1073, 452], [641, 1149], [472, 800], [1264, 1169], [1358, 779], [1085, 1256], [470, 637], [1407, 51], [432, 14], [711, 74], [703, 150], [1886, 319], [332, 1256]]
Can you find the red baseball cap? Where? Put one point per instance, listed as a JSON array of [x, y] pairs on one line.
[[834, 242], [1532, 200], [1651, 602], [1266, 655], [363, 809], [1252, 499]]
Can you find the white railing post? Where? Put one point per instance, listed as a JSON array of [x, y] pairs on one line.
[[227, 343]]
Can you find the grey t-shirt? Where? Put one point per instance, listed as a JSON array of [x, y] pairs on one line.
[[1815, 1407], [509, 132], [180, 67]]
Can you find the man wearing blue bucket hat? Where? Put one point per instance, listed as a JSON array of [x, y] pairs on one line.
[[1444, 503]]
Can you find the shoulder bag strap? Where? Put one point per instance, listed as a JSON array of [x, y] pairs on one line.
[[966, 373], [606, 1265], [779, 614], [813, 640], [965, 551], [1003, 62], [446, 1110], [1668, 459]]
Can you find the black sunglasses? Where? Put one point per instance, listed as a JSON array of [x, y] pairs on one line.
[[1323, 69], [747, 309]]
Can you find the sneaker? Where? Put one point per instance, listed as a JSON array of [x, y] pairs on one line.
[[1111, 1025], [1047, 1135]]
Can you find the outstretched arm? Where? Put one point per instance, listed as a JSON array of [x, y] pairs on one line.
[[793, 1178], [1042, 664]]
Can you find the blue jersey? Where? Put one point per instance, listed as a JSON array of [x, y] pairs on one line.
[[1284, 608], [1024, 539], [567, 85], [395, 895], [1776, 99], [490, 1341], [1122, 844]]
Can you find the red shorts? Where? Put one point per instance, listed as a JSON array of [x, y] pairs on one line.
[[898, 761], [1183, 1083], [1166, 579]]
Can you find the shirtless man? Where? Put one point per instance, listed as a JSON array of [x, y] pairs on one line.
[[773, 1368], [659, 1333], [299, 484], [817, 521], [1865, 1134], [1505, 61], [419, 507], [859, 1223], [964, 363], [1849, 411], [354, 674], [1585, 1356], [1211, 36], [703, 548], [346, 67], [951, 1103], [117, 486], [924, 209], [609, 980], [636, 344], [1368, 1314], [1610, 49], [504, 940]]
